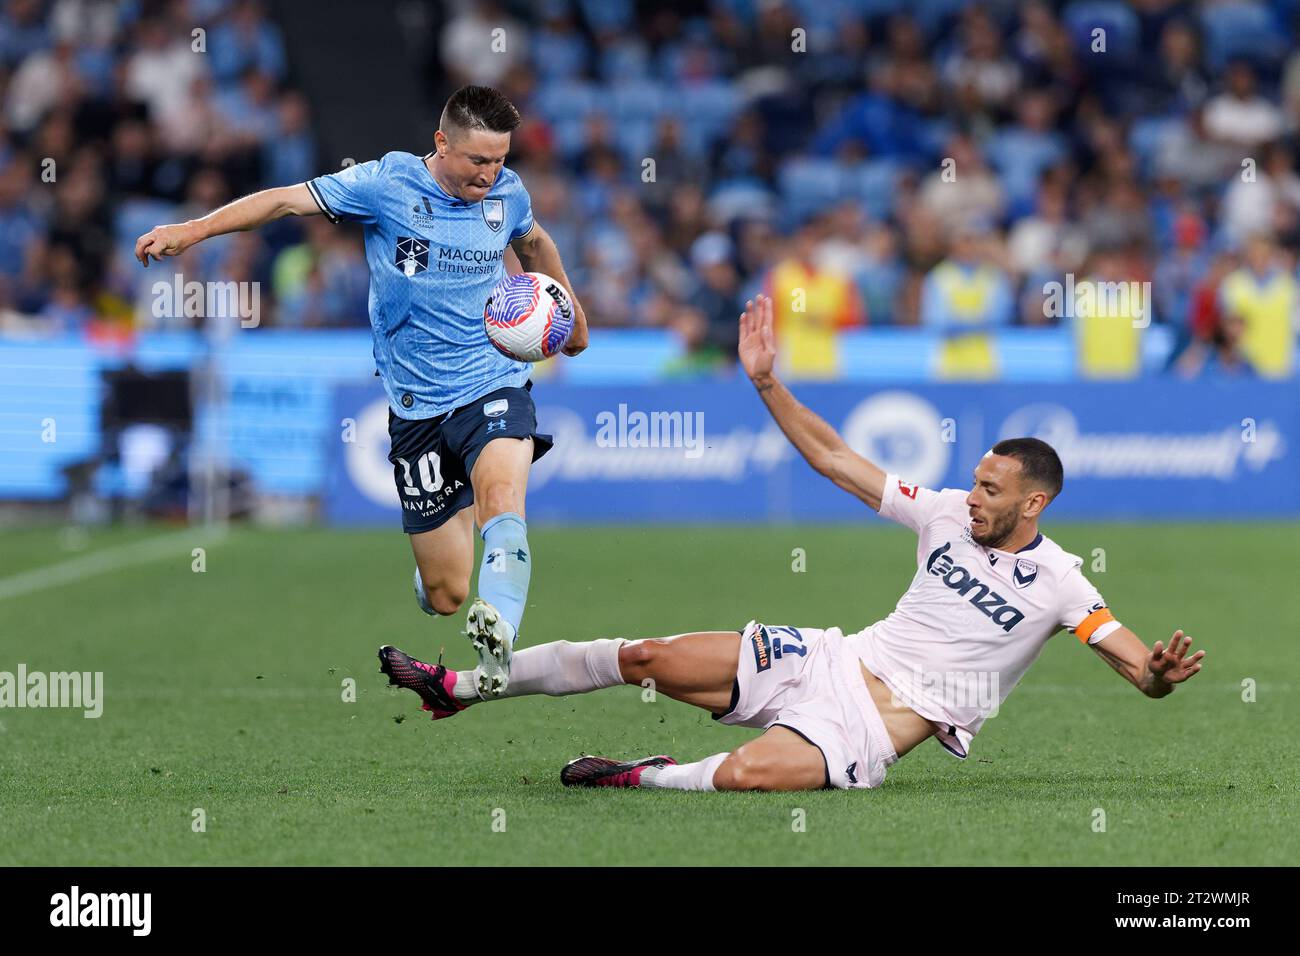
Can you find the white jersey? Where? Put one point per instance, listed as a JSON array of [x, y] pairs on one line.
[[974, 618]]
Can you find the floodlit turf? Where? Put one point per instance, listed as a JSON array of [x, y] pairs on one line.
[[224, 692]]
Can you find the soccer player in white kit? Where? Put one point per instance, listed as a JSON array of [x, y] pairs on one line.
[[838, 709]]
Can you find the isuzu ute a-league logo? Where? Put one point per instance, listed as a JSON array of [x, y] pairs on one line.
[[412, 255], [422, 213], [494, 213]]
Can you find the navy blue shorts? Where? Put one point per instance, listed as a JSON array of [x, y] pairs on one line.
[[433, 457]]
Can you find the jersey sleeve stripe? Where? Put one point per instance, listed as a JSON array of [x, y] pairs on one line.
[[330, 214], [1093, 621]]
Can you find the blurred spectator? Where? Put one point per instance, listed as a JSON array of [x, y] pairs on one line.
[[811, 304], [247, 111], [1221, 356], [699, 355], [1111, 311], [1179, 270], [21, 231], [1262, 293], [979, 74], [1120, 218], [1047, 243], [1186, 153], [1174, 82], [965, 298], [1252, 200], [22, 31], [481, 42], [1240, 116], [245, 41], [43, 81], [1206, 315], [162, 70], [963, 189], [717, 289]]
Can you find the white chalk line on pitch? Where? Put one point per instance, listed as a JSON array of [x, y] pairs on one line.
[[105, 561]]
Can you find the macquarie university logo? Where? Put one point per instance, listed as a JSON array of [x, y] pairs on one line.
[[987, 601], [412, 255], [494, 213]]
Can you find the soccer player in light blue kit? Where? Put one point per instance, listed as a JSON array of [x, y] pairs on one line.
[[461, 419]]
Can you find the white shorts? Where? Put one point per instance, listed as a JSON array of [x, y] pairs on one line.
[[809, 681]]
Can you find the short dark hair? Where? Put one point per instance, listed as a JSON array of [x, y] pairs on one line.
[[479, 107], [1039, 463]]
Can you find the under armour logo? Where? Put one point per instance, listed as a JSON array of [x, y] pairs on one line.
[[519, 554], [851, 771], [497, 426]]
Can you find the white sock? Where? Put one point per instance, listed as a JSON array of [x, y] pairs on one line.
[[687, 776], [555, 669]]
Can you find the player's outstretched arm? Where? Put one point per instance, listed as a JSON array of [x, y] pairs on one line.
[[1154, 671], [537, 252], [247, 213], [819, 444]]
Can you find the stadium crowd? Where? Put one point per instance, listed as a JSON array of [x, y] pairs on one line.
[[931, 164]]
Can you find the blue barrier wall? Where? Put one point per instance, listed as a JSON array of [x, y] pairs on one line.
[[1142, 450], [1149, 448]]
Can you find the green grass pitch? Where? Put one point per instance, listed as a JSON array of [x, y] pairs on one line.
[[224, 691]]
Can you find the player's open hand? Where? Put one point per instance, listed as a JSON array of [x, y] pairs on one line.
[[1170, 664], [578, 338], [757, 340], [163, 241]]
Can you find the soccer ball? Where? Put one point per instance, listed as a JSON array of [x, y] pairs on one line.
[[528, 317]]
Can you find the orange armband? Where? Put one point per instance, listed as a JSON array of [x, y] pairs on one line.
[[1088, 626]]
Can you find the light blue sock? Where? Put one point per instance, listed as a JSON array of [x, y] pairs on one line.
[[507, 565]]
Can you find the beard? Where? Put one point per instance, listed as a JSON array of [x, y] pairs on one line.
[[998, 528]]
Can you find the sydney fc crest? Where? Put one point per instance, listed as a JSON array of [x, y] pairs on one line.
[[494, 213]]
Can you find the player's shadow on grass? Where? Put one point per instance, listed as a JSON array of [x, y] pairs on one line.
[[1169, 785]]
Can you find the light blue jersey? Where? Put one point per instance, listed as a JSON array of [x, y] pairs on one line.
[[433, 261]]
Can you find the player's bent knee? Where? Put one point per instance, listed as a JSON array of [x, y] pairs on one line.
[[637, 659], [446, 600], [754, 769], [501, 497], [742, 771]]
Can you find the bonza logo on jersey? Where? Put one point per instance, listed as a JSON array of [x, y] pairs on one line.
[[987, 601]]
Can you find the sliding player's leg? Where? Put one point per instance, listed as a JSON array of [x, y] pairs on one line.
[[444, 560], [697, 669], [788, 681], [780, 759]]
